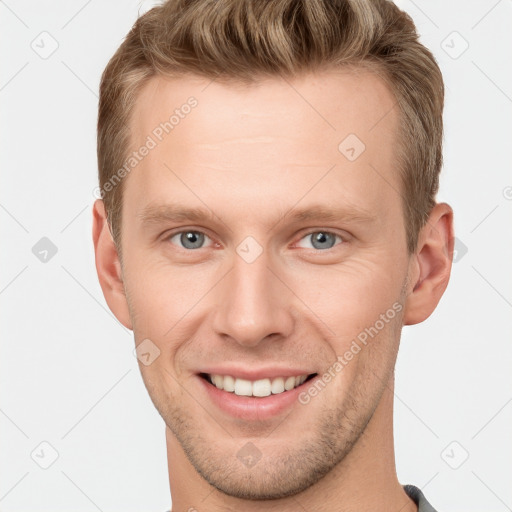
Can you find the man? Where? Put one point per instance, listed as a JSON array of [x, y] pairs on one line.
[[268, 172]]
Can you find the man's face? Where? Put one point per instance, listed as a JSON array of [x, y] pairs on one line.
[[255, 291]]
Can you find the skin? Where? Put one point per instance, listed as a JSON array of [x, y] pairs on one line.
[[251, 155]]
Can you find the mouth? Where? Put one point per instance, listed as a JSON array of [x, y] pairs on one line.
[[261, 388], [254, 394]]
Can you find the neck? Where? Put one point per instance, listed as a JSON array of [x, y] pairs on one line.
[[365, 480]]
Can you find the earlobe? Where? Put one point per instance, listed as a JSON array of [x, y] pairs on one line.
[[108, 265], [430, 267]]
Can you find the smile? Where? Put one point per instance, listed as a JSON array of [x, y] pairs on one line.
[[257, 388]]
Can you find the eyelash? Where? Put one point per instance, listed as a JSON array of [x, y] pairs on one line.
[[343, 240]]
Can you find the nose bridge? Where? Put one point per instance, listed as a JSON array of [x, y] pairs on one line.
[[252, 306]]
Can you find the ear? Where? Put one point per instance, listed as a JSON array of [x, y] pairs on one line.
[[430, 265], [108, 265]]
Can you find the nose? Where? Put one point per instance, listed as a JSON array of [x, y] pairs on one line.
[[253, 303]]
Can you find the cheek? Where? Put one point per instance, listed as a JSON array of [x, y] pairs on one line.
[[340, 300], [349, 297], [162, 296]]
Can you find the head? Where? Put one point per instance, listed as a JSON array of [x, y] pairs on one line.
[[283, 207]]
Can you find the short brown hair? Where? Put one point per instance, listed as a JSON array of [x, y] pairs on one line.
[[243, 40]]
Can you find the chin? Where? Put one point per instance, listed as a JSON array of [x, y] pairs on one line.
[[270, 481]]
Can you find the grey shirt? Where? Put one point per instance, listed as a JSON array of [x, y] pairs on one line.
[[418, 497]]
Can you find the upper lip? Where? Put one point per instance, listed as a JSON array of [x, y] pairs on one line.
[[255, 373]]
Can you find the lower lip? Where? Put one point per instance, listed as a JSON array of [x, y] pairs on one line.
[[252, 408]]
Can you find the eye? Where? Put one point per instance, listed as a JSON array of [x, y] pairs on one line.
[[189, 239], [320, 240]]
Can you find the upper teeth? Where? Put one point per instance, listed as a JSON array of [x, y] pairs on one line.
[[262, 387]]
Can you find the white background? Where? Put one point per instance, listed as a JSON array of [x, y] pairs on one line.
[[68, 374]]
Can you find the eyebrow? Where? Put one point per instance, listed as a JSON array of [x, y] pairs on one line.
[[157, 214], [174, 213], [325, 213]]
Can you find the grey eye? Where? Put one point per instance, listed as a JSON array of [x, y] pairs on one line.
[[190, 239], [321, 240]]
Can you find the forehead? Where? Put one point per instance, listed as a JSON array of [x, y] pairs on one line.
[[272, 139], [334, 101]]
